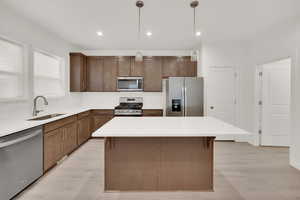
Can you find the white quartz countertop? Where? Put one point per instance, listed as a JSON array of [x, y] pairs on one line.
[[167, 127], [10, 126]]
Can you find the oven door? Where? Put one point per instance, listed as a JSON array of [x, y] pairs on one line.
[[132, 84]]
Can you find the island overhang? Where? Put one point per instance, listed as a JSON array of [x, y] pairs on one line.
[[167, 127]]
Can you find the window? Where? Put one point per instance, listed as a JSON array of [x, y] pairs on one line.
[[11, 70], [48, 75]]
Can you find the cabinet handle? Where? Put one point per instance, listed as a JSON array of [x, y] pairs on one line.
[[107, 142], [83, 85]]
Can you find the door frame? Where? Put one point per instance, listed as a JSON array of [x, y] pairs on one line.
[[259, 97], [236, 91]]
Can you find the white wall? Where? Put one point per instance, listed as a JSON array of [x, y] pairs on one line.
[[108, 100], [18, 28], [238, 55]]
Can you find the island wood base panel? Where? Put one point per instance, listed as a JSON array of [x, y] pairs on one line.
[[159, 164]]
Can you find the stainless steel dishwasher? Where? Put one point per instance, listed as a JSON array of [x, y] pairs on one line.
[[21, 161]]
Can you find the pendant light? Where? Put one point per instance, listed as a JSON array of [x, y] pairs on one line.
[[194, 53], [139, 56]]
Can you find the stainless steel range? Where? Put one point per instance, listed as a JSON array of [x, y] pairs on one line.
[[129, 106]]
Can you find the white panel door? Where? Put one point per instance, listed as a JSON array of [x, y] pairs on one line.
[[221, 95], [276, 103]]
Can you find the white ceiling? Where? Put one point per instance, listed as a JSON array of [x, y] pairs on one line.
[[77, 21]]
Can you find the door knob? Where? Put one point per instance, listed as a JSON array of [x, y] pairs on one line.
[[212, 107]]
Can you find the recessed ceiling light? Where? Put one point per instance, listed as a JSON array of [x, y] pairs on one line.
[[99, 33], [149, 33], [198, 33]]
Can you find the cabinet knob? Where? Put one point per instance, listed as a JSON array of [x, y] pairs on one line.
[[212, 107]]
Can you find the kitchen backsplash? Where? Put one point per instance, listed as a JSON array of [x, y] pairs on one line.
[[108, 100]]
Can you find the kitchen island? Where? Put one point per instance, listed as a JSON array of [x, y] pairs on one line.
[[161, 153]]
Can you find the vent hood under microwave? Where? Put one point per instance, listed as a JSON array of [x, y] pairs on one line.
[[130, 84]]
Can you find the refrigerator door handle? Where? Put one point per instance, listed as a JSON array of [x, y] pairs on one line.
[[183, 100]]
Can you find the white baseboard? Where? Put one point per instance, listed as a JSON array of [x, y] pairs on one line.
[[295, 165]]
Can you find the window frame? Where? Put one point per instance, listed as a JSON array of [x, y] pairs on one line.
[[23, 74], [62, 71]]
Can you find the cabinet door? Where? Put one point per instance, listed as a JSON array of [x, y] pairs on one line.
[[110, 73], [152, 113], [153, 74], [94, 74], [77, 72], [170, 66], [84, 132], [53, 149], [136, 68], [186, 164], [187, 68], [124, 66], [69, 138], [132, 164], [100, 120]]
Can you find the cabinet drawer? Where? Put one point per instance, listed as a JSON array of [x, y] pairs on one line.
[[59, 123], [153, 112], [103, 112], [83, 114]]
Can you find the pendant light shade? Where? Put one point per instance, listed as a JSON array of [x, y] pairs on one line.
[[194, 55], [139, 56]]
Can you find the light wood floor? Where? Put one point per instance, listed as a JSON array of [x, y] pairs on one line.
[[241, 172]]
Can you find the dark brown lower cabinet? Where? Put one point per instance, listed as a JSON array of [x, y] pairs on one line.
[[69, 142], [152, 113], [61, 138], [84, 131], [53, 149], [159, 164], [100, 117], [131, 164]]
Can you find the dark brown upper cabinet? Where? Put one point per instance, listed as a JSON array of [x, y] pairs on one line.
[[137, 68], [174, 66], [152, 74], [124, 65], [78, 72], [95, 72], [99, 73], [187, 68], [170, 67], [127, 66], [110, 73]]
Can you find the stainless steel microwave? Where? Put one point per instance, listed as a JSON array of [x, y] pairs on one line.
[[130, 84]]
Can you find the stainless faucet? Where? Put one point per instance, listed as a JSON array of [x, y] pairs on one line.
[[35, 111]]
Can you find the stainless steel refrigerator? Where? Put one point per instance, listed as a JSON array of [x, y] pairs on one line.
[[184, 96]]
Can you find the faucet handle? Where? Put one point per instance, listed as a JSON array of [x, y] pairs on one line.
[[38, 111]]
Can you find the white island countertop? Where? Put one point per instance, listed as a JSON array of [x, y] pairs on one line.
[[167, 127]]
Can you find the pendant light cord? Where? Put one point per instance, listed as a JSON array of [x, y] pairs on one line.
[[139, 28], [194, 29]]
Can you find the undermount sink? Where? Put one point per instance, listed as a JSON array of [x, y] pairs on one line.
[[45, 117]]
